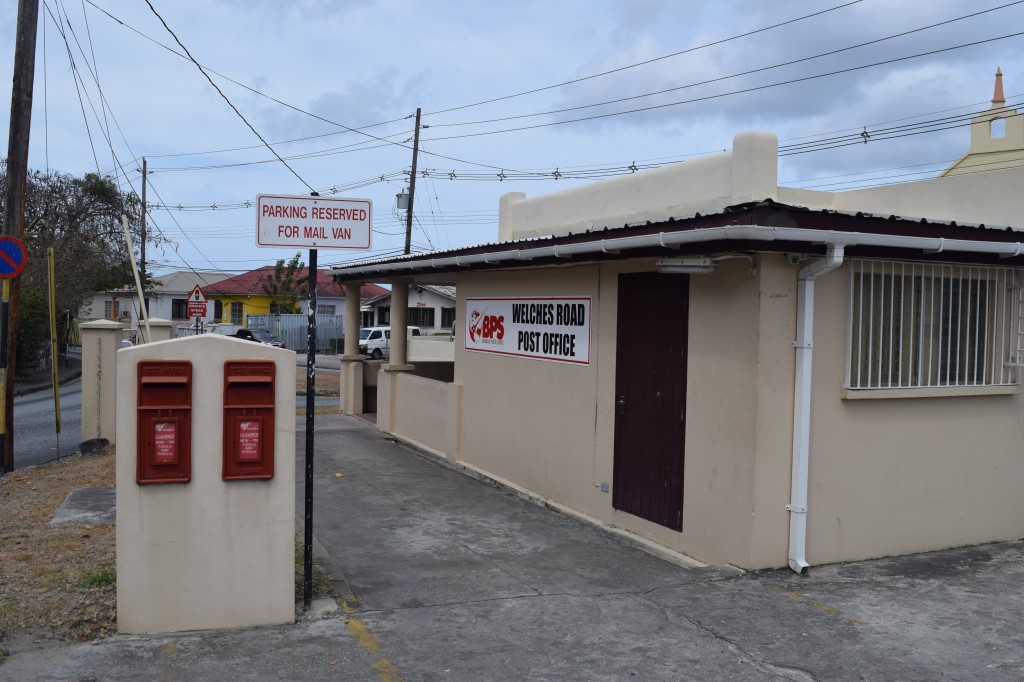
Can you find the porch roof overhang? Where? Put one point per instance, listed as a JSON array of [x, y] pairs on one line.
[[765, 226]]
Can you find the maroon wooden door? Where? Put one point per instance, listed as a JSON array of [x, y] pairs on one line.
[[650, 397]]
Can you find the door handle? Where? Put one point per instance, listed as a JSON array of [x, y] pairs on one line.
[[621, 402]]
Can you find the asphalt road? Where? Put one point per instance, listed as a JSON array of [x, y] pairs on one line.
[[35, 438]]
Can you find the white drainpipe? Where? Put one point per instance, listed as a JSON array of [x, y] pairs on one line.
[[804, 345]]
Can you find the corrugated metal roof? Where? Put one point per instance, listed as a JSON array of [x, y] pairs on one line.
[[769, 208]]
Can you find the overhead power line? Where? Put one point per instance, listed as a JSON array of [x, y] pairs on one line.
[[360, 131], [607, 170], [733, 92], [449, 158], [345, 129], [728, 77], [643, 63], [221, 93]]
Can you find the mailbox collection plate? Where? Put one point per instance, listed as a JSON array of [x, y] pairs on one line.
[[249, 390], [164, 422]]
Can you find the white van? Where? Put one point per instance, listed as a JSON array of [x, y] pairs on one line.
[[376, 341]]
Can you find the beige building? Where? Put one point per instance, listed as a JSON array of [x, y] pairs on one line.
[[727, 369], [997, 137]]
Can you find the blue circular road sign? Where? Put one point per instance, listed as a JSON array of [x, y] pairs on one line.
[[12, 257]]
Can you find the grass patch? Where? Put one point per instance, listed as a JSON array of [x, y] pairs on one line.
[[101, 579], [322, 585]]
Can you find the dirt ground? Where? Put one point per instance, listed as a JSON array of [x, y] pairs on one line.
[[326, 380], [60, 580]]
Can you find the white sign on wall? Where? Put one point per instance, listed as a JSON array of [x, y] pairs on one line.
[[313, 222], [546, 328]]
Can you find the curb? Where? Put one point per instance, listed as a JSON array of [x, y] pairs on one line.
[[329, 566]]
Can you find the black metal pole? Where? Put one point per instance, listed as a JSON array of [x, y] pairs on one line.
[[307, 585]]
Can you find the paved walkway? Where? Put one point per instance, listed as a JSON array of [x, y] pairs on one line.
[[452, 579]]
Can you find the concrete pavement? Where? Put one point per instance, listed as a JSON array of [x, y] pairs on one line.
[[454, 579]]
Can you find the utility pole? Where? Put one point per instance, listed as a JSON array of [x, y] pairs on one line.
[[14, 208], [412, 184], [142, 232]]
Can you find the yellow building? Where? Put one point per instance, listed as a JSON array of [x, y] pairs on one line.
[[234, 299]]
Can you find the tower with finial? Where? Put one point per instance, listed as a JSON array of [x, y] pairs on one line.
[[997, 137]]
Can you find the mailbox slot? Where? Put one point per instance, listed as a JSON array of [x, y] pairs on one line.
[[249, 389], [164, 422]]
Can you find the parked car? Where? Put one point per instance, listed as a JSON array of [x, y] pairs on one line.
[[376, 341], [259, 336]]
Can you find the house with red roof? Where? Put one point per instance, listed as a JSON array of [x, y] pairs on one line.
[[236, 298]]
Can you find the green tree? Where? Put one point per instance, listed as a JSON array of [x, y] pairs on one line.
[[285, 286], [80, 218], [33, 332]]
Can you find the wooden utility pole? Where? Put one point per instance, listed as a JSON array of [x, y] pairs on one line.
[[142, 230], [412, 184], [14, 206]]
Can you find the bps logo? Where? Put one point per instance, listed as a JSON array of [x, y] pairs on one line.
[[486, 328]]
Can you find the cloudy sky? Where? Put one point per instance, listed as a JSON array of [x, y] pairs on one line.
[[525, 95]]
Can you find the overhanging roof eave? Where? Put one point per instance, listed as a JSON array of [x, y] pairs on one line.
[[748, 237]]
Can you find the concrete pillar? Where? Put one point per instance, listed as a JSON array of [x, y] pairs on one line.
[[351, 361], [100, 342], [387, 382], [352, 293], [399, 328], [506, 219], [209, 553], [352, 385], [755, 166], [159, 329]]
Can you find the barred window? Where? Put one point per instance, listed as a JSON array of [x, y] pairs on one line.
[[918, 325], [179, 308], [447, 318], [420, 317]]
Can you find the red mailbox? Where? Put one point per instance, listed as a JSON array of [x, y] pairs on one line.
[[248, 419], [164, 422]]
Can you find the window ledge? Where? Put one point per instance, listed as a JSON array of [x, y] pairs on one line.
[[931, 392]]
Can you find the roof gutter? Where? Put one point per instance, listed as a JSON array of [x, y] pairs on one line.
[[762, 233]]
